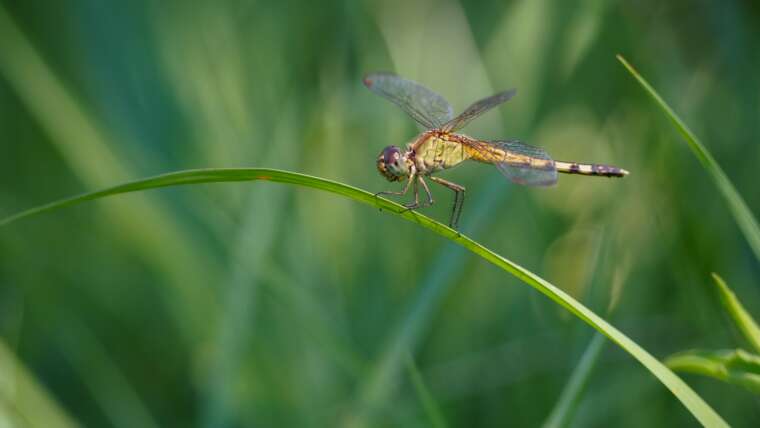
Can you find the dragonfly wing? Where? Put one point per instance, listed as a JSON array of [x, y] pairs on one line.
[[531, 167], [521, 163], [478, 108], [423, 105]]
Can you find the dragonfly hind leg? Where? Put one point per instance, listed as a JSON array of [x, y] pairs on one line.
[[459, 191]]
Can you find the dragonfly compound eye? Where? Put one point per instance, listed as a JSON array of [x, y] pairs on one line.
[[387, 163]]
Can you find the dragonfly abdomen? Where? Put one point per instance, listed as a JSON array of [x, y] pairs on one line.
[[590, 169], [499, 152]]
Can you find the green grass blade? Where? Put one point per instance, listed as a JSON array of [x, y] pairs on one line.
[[736, 367], [423, 393], [741, 317], [23, 400], [571, 394], [744, 217], [109, 388], [88, 148], [376, 388], [698, 407]]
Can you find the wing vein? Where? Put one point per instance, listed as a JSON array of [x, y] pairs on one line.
[[422, 104], [519, 162]]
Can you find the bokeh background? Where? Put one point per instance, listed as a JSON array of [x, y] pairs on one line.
[[269, 305]]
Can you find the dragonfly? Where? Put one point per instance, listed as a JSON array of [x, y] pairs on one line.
[[440, 147]]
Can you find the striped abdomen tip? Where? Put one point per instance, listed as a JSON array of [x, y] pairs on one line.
[[590, 169]]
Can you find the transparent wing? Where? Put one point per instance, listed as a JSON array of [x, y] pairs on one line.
[[521, 163], [423, 105], [476, 109]]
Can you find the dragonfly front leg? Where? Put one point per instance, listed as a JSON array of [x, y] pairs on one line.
[[412, 177], [459, 190], [401, 193], [416, 203]]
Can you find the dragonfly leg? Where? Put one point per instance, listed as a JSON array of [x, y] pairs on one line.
[[416, 203], [459, 191], [403, 191], [430, 200], [412, 177]]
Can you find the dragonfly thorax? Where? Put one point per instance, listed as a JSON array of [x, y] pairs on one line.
[[393, 164]]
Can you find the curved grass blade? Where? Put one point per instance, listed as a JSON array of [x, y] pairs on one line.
[[23, 400], [741, 317], [376, 388], [571, 394], [88, 148], [434, 414], [693, 402], [109, 388], [747, 222], [735, 366]]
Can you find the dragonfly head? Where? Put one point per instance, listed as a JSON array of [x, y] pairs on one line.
[[393, 164]]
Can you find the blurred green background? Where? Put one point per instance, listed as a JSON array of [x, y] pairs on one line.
[[270, 305]]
